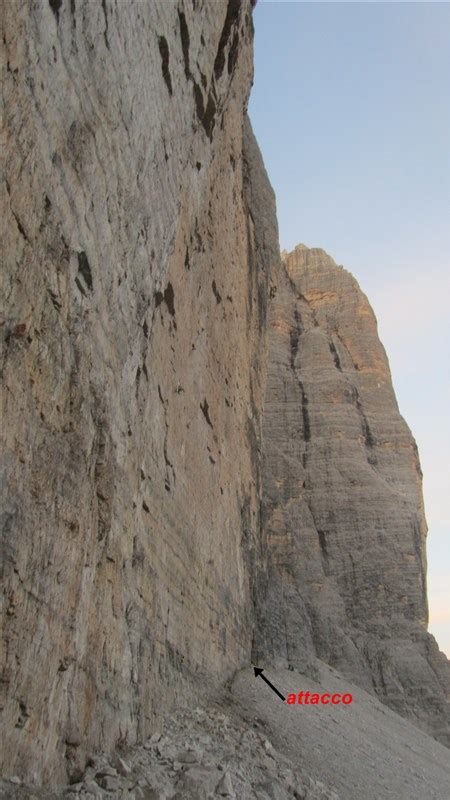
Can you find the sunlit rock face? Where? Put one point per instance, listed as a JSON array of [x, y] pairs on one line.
[[343, 519], [136, 283]]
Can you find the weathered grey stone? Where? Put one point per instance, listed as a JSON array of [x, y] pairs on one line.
[[199, 782], [189, 756], [122, 767], [147, 793], [225, 786], [92, 787], [108, 782], [271, 790]]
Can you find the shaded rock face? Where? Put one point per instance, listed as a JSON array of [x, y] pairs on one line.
[[136, 276], [343, 519]]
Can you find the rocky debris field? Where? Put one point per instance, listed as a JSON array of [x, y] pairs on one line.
[[199, 754], [245, 743]]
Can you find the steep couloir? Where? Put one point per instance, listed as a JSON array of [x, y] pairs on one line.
[[343, 520]]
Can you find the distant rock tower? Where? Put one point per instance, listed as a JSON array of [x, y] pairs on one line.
[[343, 517]]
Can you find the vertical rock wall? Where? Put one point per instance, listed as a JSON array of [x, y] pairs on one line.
[[344, 526], [140, 233], [136, 275]]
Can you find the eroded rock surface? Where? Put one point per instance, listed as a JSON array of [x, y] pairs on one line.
[[343, 520], [140, 233], [136, 273]]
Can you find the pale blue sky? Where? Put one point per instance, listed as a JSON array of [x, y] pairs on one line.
[[351, 108]]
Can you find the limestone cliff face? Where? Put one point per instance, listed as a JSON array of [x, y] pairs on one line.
[[136, 274], [140, 234], [343, 520]]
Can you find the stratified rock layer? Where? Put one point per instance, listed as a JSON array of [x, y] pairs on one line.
[[136, 275], [343, 519]]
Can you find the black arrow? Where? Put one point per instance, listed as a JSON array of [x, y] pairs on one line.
[[259, 671]]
